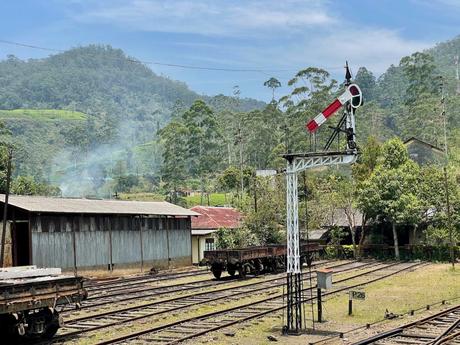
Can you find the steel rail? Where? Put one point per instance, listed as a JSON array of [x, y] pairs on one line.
[[249, 305], [399, 330], [270, 280], [194, 303], [120, 281], [128, 287], [101, 300]]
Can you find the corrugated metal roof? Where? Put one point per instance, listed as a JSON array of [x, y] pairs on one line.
[[202, 232], [92, 206], [315, 235], [216, 217]]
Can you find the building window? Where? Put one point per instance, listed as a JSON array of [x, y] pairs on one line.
[[209, 244]]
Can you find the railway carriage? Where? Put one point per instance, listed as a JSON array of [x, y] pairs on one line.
[[30, 298], [254, 260]]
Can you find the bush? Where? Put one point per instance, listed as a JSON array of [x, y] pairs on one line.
[[234, 238]]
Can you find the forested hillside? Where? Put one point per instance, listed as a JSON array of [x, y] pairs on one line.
[[121, 105], [87, 120]]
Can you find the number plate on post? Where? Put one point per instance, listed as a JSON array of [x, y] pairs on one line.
[[358, 295]]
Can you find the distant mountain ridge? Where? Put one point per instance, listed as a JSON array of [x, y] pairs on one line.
[[92, 79], [120, 101]]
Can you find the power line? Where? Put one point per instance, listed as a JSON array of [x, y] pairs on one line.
[[157, 63], [24, 45]]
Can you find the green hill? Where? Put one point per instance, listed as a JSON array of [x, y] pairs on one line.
[[77, 107], [42, 115]]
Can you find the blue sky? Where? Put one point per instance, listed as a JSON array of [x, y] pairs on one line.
[[277, 36]]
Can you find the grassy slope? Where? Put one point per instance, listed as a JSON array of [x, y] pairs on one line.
[[42, 114], [215, 199], [398, 294]]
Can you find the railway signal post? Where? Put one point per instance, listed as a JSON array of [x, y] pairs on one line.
[[350, 100]]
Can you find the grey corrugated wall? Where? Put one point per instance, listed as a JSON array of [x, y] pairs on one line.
[[55, 249]]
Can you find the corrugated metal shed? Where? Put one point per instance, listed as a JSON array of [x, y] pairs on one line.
[[91, 206], [216, 217], [316, 235]]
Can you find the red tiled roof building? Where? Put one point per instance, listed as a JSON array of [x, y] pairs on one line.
[[208, 222]]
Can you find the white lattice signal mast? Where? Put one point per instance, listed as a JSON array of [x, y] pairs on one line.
[[350, 99]]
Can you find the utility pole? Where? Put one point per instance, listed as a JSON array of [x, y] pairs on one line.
[[5, 207], [449, 219], [446, 180], [443, 114], [236, 94]]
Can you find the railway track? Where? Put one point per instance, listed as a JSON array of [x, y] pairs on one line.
[[125, 295], [124, 314], [441, 328], [182, 330], [82, 325], [123, 282], [79, 325]]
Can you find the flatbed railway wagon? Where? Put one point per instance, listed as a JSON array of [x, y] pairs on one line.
[[254, 260], [30, 298]]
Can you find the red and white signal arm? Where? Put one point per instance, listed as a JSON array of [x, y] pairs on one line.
[[352, 93]]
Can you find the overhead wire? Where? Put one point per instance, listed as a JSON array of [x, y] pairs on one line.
[[173, 65]]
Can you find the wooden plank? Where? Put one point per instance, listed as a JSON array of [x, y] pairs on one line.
[[28, 273], [17, 268]]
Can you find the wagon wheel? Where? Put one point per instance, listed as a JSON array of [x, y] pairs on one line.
[[258, 267], [242, 271], [231, 269], [53, 322], [216, 270]]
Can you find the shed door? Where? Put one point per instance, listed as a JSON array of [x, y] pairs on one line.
[[21, 244]]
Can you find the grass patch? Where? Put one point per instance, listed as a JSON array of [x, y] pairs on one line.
[[215, 199], [141, 196], [43, 114], [399, 294]]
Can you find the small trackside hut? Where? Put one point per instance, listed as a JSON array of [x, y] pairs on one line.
[[87, 233]]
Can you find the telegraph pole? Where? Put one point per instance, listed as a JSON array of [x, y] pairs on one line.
[[449, 219], [446, 180], [5, 206], [444, 115]]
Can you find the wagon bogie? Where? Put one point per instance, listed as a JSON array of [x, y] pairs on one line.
[[253, 260]]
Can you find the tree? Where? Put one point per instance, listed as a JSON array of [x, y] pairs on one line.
[[272, 84], [347, 193], [174, 142], [311, 91], [361, 172], [267, 222], [202, 139], [27, 185], [391, 191], [366, 81], [234, 238], [419, 69]]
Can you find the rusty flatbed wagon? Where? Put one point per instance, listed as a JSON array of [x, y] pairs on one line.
[[30, 298], [254, 260]]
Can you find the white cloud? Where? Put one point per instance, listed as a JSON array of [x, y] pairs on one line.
[[289, 33], [208, 17], [374, 48]]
